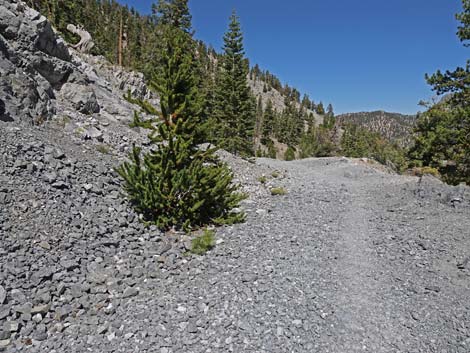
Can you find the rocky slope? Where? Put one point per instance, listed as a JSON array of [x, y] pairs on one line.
[[42, 78], [352, 259], [394, 127]]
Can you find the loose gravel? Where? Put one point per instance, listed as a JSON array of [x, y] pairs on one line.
[[351, 259]]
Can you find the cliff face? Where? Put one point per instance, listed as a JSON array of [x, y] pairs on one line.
[[33, 62], [41, 77]]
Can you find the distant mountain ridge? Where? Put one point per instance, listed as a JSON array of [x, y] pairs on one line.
[[395, 127]]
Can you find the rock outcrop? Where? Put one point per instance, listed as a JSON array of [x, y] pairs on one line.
[[41, 77], [33, 61], [86, 42]]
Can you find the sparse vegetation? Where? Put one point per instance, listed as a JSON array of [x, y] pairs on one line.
[[275, 174], [203, 243], [278, 191], [104, 149], [79, 131], [421, 171], [263, 179], [63, 121], [358, 142]]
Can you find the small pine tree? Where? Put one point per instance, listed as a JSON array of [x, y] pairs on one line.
[[289, 155], [320, 109], [178, 184], [329, 110]]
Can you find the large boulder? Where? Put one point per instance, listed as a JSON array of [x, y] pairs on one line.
[[24, 95], [33, 62], [82, 98]]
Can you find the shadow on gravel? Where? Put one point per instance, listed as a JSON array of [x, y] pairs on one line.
[[4, 116], [432, 189]]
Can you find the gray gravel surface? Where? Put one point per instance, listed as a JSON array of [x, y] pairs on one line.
[[352, 259]]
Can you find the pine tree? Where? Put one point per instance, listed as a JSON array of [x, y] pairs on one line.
[[320, 109], [235, 104], [259, 118], [178, 184], [269, 117], [289, 155], [174, 13], [329, 110], [289, 125], [329, 118], [443, 132], [308, 143]]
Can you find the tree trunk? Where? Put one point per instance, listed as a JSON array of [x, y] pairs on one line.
[[120, 43]]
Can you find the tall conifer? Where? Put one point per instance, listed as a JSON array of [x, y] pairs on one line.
[[235, 104], [268, 120]]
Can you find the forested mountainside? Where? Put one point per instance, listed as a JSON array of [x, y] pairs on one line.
[[274, 120], [284, 120], [394, 127]]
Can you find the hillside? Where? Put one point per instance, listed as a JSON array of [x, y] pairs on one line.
[[139, 50], [394, 127]]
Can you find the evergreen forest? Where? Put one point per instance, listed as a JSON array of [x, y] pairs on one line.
[[250, 112]]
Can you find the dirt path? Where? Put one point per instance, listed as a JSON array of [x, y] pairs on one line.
[[381, 284]]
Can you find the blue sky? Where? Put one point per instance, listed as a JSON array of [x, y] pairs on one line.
[[359, 55]]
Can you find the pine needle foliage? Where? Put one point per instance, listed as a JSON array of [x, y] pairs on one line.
[[442, 135], [178, 184], [174, 13], [235, 106]]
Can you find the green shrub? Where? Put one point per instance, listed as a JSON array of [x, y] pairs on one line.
[[275, 174], [278, 191], [62, 122], [262, 179], [103, 149], [138, 122], [272, 151], [290, 154], [203, 243], [421, 171]]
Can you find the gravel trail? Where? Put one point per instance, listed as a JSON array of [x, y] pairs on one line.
[[351, 259], [348, 261]]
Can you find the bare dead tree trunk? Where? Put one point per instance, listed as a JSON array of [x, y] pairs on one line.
[[120, 43], [86, 43]]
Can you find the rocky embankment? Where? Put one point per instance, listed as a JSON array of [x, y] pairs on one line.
[[72, 253], [42, 78]]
